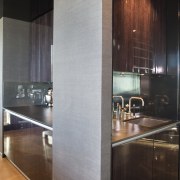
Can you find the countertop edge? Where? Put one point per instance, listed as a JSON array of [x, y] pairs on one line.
[[28, 119], [138, 136]]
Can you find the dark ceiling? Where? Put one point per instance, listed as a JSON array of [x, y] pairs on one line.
[[25, 10]]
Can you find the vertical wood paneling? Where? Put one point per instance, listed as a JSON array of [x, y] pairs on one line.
[[139, 35], [41, 41]]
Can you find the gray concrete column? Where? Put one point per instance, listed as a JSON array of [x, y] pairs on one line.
[[82, 81]]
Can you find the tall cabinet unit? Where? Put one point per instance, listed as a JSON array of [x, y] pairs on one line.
[[138, 36], [146, 47]]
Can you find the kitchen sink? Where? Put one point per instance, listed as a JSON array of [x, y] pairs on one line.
[[149, 122]]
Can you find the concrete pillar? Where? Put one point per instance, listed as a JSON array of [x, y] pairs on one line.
[[82, 80]]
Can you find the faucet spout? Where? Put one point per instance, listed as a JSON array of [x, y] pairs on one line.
[[130, 101], [122, 100]]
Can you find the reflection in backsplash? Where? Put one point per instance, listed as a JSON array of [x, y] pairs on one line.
[[163, 96], [25, 94], [159, 93], [126, 84]]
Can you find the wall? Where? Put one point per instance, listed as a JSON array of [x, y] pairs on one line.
[[82, 89], [16, 50], [41, 39]]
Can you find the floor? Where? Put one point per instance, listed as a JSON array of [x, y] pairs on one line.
[[8, 171]]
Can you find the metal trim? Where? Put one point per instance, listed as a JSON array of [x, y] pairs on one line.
[[28, 119], [144, 135]]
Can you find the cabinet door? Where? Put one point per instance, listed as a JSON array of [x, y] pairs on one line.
[[27, 148], [139, 43], [166, 155], [133, 161]]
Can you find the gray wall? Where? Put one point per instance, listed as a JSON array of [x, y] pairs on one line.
[[82, 90], [16, 52]]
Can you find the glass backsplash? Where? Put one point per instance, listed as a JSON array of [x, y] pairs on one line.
[[25, 93], [126, 84], [158, 91]]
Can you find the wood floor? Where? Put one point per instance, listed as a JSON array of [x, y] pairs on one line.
[[8, 171]]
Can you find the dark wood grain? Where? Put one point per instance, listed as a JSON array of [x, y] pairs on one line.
[[154, 157], [133, 161], [166, 155], [139, 35]]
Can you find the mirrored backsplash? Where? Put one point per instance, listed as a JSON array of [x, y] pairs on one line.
[[158, 91], [25, 93], [126, 84]]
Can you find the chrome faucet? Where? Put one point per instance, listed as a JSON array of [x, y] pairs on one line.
[[122, 100], [135, 98]]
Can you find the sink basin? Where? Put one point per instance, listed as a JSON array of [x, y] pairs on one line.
[[149, 122]]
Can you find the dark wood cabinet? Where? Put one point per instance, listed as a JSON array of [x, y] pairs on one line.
[[139, 36], [27, 147], [166, 155], [172, 37], [133, 160], [151, 158]]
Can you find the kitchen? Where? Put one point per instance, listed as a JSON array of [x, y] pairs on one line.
[[89, 50]]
